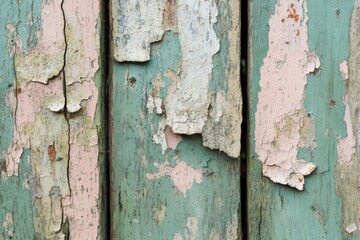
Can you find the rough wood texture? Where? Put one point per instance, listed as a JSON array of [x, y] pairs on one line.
[[50, 86], [166, 185], [299, 55], [198, 100]]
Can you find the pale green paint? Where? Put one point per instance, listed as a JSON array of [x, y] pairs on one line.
[[16, 199], [214, 202], [279, 212]]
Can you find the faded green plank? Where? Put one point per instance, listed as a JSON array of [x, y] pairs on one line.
[[277, 211], [51, 120], [159, 190]]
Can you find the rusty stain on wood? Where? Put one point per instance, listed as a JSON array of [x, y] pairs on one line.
[[52, 152]]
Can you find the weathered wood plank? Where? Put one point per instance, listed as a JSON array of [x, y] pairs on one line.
[[298, 56], [165, 184], [50, 88]]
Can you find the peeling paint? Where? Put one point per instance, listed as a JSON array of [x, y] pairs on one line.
[[347, 168], [182, 175], [280, 112], [346, 146], [223, 128], [187, 101], [46, 60], [136, 24], [63, 151], [154, 103], [158, 173], [189, 105], [82, 63]]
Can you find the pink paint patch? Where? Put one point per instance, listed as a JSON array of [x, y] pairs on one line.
[[52, 27], [346, 146], [280, 111], [182, 175], [30, 102], [81, 208], [344, 69], [172, 139]]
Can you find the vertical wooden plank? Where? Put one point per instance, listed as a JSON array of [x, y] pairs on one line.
[[174, 78], [50, 89], [298, 60]]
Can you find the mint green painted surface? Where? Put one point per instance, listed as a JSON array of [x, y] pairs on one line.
[[16, 198], [276, 211], [214, 203]]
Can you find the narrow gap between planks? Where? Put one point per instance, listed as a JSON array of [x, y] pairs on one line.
[[106, 121], [245, 128]]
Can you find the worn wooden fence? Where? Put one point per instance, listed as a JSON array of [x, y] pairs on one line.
[[124, 119]]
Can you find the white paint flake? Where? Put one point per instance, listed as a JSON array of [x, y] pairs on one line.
[[187, 103], [136, 25], [351, 228]]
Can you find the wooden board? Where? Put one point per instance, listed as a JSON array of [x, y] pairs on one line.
[[51, 137], [175, 96], [303, 114]]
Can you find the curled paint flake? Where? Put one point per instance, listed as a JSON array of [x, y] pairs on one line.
[[56, 104]]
